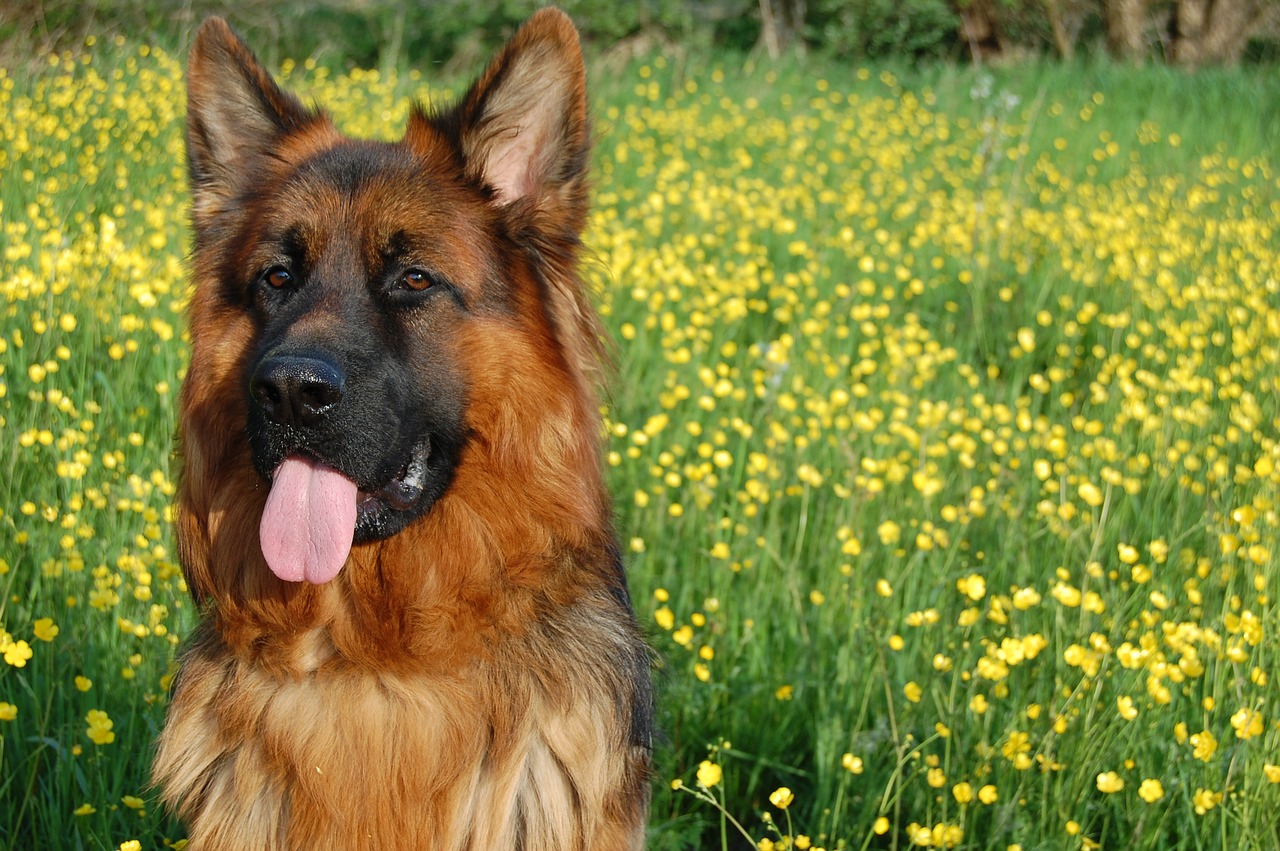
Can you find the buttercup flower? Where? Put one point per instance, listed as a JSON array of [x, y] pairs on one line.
[[1151, 790], [99, 731], [708, 774]]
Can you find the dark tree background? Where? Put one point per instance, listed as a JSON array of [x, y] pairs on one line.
[[368, 32]]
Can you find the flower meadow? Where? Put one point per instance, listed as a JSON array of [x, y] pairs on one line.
[[943, 433]]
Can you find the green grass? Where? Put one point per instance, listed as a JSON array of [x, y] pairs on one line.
[[879, 332]]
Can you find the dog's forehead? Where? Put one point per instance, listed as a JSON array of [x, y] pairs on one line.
[[383, 197], [353, 171]]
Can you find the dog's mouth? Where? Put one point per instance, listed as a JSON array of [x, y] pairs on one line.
[[402, 493], [315, 512]]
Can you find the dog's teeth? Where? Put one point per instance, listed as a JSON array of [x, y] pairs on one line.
[[416, 470]]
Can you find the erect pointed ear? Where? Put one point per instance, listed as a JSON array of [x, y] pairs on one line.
[[523, 125], [235, 114]]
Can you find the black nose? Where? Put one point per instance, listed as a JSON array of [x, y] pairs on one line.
[[297, 391]]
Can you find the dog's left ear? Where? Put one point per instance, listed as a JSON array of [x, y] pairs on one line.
[[523, 126]]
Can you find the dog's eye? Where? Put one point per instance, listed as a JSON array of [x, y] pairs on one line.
[[417, 279], [278, 277]]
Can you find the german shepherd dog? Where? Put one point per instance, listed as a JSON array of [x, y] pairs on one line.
[[415, 630]]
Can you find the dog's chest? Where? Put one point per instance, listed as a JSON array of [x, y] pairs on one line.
[[485, 758]]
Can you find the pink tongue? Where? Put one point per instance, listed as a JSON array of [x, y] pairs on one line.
[[309, 521]]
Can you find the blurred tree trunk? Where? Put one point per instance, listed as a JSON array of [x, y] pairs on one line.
[[1213, 31], [781, 26], [1066, 18], [980, 29], [1126, 25]]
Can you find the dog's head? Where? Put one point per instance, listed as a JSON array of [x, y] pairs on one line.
[[366, 312]]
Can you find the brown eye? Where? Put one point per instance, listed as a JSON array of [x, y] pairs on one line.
[[416, 279], [278, 278]]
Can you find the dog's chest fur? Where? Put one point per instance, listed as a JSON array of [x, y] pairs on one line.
[[336, 757]]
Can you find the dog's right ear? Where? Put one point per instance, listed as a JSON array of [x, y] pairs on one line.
[[236, 114]]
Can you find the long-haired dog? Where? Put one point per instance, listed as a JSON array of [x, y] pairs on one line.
[[415, 629]]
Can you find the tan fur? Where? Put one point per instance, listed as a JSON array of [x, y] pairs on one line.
[[478, 758], [475, 681]]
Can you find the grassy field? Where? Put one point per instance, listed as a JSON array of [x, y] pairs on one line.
[[944, 436]]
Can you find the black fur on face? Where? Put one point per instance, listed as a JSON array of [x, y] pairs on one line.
[[355, 322]]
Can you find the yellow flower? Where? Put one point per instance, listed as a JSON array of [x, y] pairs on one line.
[[1247, 723], [1205, 800], [1018, 743], [665, 618], [1272, 772], [781, 797], [100, 725], [1110, 782], [1151, 790], [1025, 598], [708, 774], [851, 763], [880, 826], [947, 835], [133, 802], [84, 810], [988, 794], [1203, 745], [130, 845], [913, 692], [83, 683], [17, 653], [919, 835], [973, 586], [962, 792], [1066, 595], [784, 692], [8, 711], [1127, 710], [889, 532], [45, 629]]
